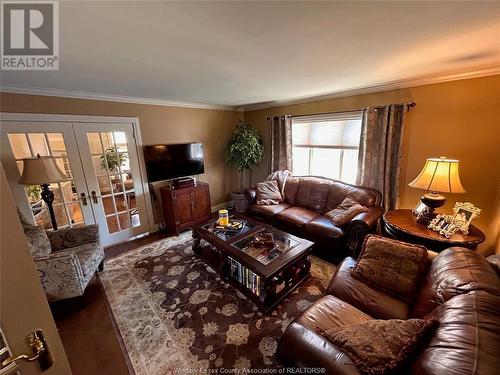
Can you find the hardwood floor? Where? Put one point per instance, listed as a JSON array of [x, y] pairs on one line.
[[87, 327]]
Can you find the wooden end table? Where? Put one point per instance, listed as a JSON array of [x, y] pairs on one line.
[[402, 225]]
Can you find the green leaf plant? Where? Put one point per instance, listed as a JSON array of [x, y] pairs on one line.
[[244, 150]]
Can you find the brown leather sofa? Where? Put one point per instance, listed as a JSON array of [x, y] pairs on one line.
[[461, 289], [306, 199]]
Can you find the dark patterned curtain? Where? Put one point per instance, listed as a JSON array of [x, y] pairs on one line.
[[281, 143], [380, 151]]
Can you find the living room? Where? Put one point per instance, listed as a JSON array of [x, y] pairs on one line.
[[214, 193]]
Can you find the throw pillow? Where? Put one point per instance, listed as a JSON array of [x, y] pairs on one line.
[[392, 266], [268, 193], [380, 347], [38, 242], [345, 211]]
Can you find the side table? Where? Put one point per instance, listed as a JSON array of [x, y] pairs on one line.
[[402, 225]]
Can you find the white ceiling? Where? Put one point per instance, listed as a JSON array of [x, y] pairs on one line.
[[240, 53]]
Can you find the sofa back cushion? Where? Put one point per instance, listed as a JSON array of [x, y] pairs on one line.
[[467, 339], [313, 193], [454, 271], [339, 191], [291, 189]]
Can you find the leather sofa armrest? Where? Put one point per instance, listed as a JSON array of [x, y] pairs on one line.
[[251, 195], [360, 225], [362, 296], [299, 347]]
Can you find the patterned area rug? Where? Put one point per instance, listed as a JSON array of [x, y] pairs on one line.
[[175, 315]]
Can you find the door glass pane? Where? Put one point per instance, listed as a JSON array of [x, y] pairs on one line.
[[99, 165], [94, 143], [121, 204], [75, 213], [109, 207], [104, 185], [61, 215], [112, 224], [120, 141], [116, 183], [56, 144], [19, 144], [124, 221], [39, 144], [107, 140]]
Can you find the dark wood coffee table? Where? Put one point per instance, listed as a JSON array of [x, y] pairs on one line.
[[265, 275]]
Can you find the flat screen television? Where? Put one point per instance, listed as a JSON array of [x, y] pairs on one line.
[[164, 162]]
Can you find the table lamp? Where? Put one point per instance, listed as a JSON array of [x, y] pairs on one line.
[[437, 176], [43, 170]]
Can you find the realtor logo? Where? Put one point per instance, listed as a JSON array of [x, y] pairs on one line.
[[30, 35]]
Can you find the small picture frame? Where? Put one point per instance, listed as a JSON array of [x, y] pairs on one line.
[[444, 225], [465, 212]]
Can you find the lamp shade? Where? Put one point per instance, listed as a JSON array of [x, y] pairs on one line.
[[41, 170], [439, 175]]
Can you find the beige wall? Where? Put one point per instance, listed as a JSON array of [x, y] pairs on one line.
[[23, 306], [159, 124], [455, 119]]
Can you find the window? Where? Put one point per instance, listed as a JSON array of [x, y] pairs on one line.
[[327, 145]]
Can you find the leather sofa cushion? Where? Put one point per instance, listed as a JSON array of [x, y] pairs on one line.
[[369, 300], [392, 266], [303, 348], [330, 312], [268, 210], [313, 193], [296, 216], [467, 340], [323, 229], [338, 191], [291, 189], [454, 271]]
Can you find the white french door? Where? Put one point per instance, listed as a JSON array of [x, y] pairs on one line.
[[110, 162], [104, 182]]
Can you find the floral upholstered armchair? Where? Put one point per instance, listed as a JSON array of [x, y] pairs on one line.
[[66, 259]]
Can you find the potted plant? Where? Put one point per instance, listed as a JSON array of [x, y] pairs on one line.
[[112, 159], [243, 151]]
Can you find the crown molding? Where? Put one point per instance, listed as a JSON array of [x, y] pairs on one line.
[[28, 90], [393, 85]]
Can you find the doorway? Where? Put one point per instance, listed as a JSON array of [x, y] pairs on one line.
[[105, 183]]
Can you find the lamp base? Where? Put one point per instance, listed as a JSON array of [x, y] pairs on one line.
[[48, 197], [424, 211]]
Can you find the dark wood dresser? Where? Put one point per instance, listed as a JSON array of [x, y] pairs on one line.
[[185, 207]]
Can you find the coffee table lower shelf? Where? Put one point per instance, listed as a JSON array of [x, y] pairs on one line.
[[271, 290]]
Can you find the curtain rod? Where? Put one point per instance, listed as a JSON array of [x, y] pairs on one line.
[[408, 105]]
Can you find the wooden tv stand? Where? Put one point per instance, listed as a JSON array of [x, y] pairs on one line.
[[184, 207]]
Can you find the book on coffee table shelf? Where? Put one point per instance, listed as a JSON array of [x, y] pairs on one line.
[[260, 261]]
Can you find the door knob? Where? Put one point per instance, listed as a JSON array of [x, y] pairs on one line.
[[95, 196], [83, 199], [38, 351]]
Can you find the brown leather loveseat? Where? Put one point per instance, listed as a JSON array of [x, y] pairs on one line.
[[461, 290], [306, 199]]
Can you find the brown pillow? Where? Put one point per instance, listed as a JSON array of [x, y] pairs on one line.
[[268, 193], [345, 211], [380, 347], [392, 266]]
